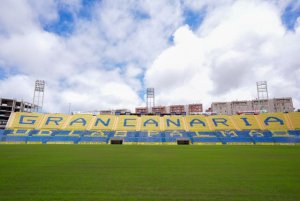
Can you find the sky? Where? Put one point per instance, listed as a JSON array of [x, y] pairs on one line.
[[103, 54]]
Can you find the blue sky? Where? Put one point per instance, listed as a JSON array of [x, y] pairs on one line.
[[65, 22], [194, 18], [290, 15], [64, 25], [107, 52]]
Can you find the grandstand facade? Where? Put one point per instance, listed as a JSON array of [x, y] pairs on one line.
[[266, 128], [269, 105]]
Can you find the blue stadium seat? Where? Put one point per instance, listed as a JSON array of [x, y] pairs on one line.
[[6, 132], [238, 140], [16, 139], [61, 132], [42, 139], [132, 136], [243, 133], [63, 139], [263, 140], [93, 139], [206, 140], [294, 132], [286, 139]]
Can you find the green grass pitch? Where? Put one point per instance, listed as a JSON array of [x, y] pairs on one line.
[[113, 172]]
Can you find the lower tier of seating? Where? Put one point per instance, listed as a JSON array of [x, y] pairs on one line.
[[154, 137]]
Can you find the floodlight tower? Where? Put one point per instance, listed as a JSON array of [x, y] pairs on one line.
[[150, 99], [38, 95], [262, 95]]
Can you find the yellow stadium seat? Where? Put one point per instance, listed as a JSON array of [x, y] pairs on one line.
[[103, 122], [26, 120], [273, 121], [127, 123], [54, 121], [295, 119], [197, 123], [150, 123], [246, 122], [173, 123], [79, 122], [221, 122]]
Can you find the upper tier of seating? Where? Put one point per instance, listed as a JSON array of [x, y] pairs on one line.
[[197, 123]]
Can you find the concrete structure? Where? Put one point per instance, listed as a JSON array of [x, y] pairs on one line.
[[7, 106], [159, 109], [282, 105], [121, 111], [104, 112], [195, 108], [253, 106], [177, 109], [221, 107], [141, 110]]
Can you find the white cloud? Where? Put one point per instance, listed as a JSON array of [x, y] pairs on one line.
[[235, 46], [129, 38], [17, 87], [16, 17], [109, 58], [99, 66], [36, 52]]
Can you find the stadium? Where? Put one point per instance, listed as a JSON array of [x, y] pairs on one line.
[[149, 100], [192, 157], [265, 128], [176, 124]]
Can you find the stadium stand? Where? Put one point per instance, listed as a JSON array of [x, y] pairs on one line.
[[172, 123], [273, 121], [221, 122], [152, 123], [103, 122], [127, 123], [79, 122], [54, 121], [246, 122], [24, 120], [197, 123], [294, 119], [267, 128]]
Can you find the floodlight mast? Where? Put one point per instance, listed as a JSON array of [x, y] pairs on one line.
[[150, 99], [262, 96], [38, 95]]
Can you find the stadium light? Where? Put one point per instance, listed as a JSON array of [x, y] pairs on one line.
[[38, 95]]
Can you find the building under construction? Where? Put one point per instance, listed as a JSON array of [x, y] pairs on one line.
[[7, 106], [195, 108], [253, 106]]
